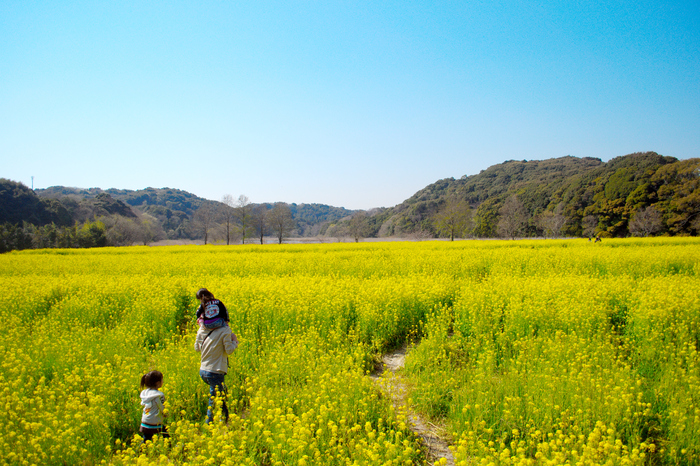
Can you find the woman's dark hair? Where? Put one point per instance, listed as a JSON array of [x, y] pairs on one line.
[[151, 379], [204, 294]]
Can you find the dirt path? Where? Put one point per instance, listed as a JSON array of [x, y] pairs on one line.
[[393, 386]]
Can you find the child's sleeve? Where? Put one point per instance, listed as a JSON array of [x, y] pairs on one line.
[[223, 312], [160, 401]]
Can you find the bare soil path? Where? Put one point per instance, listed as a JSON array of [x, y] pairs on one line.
[[393, 385]]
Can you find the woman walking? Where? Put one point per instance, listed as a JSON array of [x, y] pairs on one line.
[[214, 345]]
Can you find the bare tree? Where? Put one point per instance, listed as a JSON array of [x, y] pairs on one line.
[[589, 224], [646, 222], [358, 227], [149, 229], [121, 231], [338, 231], [281, 220], [454, 219], [552, 222], [205, 218], [227, 214], [244, 216], [513, 218], [147, 232], [259, 221]]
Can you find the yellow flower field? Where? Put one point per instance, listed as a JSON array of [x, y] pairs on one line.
[[530, 352]]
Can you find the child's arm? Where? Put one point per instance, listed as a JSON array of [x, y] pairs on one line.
[[160, 402], [223, 312]]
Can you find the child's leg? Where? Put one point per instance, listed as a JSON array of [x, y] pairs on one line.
[[146, 435]]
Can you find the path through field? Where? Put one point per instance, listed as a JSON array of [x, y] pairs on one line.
[[393, 386]]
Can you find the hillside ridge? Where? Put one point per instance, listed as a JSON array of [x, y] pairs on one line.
[[564, 196]]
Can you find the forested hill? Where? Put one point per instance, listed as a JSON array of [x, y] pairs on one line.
[[642, 194], [172, 211], [588, 195]]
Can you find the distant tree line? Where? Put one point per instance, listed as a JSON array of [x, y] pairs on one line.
[[239, 220], [641, 194], [69, 219]]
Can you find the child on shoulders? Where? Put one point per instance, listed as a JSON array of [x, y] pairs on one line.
[[211, 312]]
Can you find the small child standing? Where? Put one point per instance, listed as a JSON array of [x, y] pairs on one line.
[[152, 400], [211, 313]]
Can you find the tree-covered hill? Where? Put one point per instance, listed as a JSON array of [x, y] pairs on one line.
[[641, 194], [174, 210], [590, 196], [166, 203]]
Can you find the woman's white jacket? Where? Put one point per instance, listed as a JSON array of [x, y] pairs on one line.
[[215, 346]]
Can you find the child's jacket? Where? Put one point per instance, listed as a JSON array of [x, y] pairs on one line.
[[152, 401], [211, 312]]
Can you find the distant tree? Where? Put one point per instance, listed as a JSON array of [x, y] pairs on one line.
[[281, 221], [513, 218], [92, 235], [121, 231], [486, 219], [147, 233], [67, 237], [46, 236], [695, 224], [552, 222], [454, 219], [589, 224], [205, 218], [14, 237], [149, 229], [358, 226], [646, 222], [338, 231], [260, 221], [244, 216], [227, 214]]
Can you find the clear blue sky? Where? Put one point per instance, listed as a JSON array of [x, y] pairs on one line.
[[347, 103]]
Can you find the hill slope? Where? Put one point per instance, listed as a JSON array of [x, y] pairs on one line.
[[174, 209], [562, 196], [581, 188]]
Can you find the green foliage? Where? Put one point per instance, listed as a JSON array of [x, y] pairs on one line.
[[20, 204], [592, 197], [677, 187], [92, 235], [486, 219], [586, 191]]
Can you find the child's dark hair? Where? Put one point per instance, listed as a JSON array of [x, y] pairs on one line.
[[151, 379], [205, 294]]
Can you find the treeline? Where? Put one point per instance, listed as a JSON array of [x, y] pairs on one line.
[[28, 236], [175, 211], [80, 218], [638, 194], [29, 221]]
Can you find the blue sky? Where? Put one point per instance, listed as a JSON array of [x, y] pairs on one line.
[[352, 104]]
